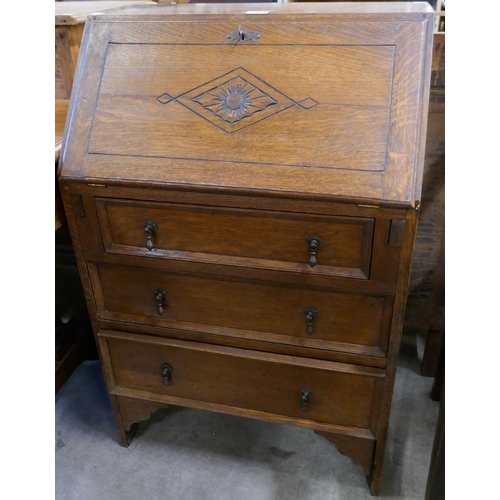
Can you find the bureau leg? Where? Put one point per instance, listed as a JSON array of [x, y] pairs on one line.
[[126, 431], [374, 484], [125, 437], [357, 448], [130, 412]]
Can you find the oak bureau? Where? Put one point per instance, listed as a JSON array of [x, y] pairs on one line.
[[242, 185]]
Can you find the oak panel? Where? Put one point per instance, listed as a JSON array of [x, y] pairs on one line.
[[245, 308], [231, 377], [258, 238]]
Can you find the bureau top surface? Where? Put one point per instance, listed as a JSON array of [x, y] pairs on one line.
[[407, 10], [317, 100]]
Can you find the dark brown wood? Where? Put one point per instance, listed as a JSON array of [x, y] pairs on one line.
[[359, 449], [244, 379], [264, 239], [133, 410], [251, 310], [220, 198], [78, 210], [393, 350], [397, 232], [435, 489], [438, 59], [76, 345], [371, 358], [59, 208], [385, 257], [74, 340], [425, 308], [244, 208], [382, 283], [437, 392], [61, 109], [431, 357]]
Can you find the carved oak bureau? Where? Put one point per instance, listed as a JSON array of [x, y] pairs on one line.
[[242, 184]]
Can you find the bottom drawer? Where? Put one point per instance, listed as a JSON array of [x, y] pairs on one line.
[[298, 389]]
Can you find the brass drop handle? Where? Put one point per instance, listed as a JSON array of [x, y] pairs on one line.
[[310, 314], [150, 228], [166, 373], [161, 298], [313, 242], [305, 396]]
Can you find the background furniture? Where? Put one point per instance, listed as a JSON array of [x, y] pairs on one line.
[[425, 312], [73, 334]]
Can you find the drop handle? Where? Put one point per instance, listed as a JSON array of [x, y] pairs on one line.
[[166, 373], [313, 242], [150, 228], [305, 396], [310, 313], [161, 298]]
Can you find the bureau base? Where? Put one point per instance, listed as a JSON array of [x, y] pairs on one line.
[[246, 383], [131, 411]]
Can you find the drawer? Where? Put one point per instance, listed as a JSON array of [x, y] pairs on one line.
[[250, 238], [313, 317], [187, 372]]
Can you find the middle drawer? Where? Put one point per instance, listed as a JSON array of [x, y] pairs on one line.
[[276, 312]]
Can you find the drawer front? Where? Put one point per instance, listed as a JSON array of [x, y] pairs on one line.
[[251, 238], [341, 394], [310, 317]]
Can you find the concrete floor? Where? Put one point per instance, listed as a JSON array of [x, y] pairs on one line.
[[186, 454]]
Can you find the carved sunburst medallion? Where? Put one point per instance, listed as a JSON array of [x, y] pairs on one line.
[[235, 100]]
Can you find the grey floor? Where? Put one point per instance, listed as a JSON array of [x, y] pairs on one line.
[[187, 454]]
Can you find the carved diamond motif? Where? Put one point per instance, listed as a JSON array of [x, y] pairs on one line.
[[164, 98], [235, 101], [307, 103]]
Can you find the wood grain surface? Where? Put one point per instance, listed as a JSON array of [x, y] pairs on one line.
[[268, 239], [340, 85], [230, 377], [244, 309]]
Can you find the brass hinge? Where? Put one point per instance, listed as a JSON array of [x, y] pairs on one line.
[[368, 206]]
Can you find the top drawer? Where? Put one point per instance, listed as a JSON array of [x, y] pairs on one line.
[[328, 245]]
